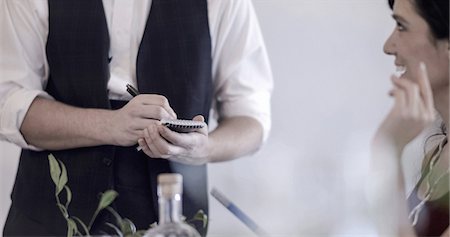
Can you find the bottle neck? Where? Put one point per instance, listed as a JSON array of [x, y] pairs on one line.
[[170, 209]]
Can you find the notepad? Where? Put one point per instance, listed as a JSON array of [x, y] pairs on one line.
[[183, 126]]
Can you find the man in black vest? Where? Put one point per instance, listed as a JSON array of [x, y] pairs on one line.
[[63, 92]]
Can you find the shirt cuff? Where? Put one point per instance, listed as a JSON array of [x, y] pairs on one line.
[[256, 106], [13, 113]]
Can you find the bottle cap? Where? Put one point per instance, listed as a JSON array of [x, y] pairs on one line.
[[170, 184], [167, 178]]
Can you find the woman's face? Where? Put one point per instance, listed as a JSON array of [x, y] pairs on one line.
[[412, 42]]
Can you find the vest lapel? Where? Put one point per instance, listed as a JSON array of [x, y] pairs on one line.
[[77, 53], [175, 56]]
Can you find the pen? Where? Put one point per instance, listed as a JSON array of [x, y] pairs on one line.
[[238, 212], [133, 91]]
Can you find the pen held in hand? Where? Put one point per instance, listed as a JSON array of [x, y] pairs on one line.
[[133, 91], [177, 125]]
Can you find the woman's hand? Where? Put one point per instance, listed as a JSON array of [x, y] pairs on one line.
[[412, 112], [187, 148]]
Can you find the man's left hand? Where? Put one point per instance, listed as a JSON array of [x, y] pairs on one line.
[[187, 148]]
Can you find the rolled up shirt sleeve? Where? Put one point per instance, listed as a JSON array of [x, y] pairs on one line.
[[241, 67], [23, 66], [13, 110]]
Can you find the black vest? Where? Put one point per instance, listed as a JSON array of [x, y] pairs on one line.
[[174, 60]]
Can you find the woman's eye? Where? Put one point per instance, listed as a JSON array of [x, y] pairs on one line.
[[400, 27]]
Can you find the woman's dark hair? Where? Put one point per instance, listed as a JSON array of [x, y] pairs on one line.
[[435, 13]]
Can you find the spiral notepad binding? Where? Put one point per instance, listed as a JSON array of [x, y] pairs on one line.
[[180, 125]]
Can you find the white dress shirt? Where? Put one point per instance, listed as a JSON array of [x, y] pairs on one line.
[[242, 77]]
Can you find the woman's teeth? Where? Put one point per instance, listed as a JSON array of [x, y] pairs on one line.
[[400, 71]]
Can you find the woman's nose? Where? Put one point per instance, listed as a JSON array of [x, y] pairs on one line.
[[389, 45]]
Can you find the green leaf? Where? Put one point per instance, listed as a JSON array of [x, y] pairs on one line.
[[139, 233], [107, 198], [71, 228], [63, 178], [85, 229], [119, 233], [115, 214], [55, 171], [63, 210], [69, 196], [199, 216], [127, 227]]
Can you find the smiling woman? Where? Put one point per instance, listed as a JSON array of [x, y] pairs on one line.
[[415, 40], [420, 45]]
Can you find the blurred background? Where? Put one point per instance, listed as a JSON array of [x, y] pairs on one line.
[[331, 83]]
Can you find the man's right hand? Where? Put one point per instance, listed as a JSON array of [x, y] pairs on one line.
[[128, 123], [52, 125]]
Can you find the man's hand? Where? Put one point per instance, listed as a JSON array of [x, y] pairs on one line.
[[52, 125], [187, 148], [129, 123]]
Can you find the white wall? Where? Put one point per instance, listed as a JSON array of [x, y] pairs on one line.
[[331, 83], [331, 80]]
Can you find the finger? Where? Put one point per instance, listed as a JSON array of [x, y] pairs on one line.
[[165, 148], [203, 130], [143, 146], [175, 138], [425, 87], [139, 133], [149, 141], [400, 100], [142, 123], [154, 112], [159, 145], [137, 108], [411, 91], [199, 118], [186, 141], [158, 100]]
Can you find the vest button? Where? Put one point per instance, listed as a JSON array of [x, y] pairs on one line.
[[107, 162]]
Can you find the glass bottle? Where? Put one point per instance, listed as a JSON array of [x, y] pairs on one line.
[[170, 190]]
